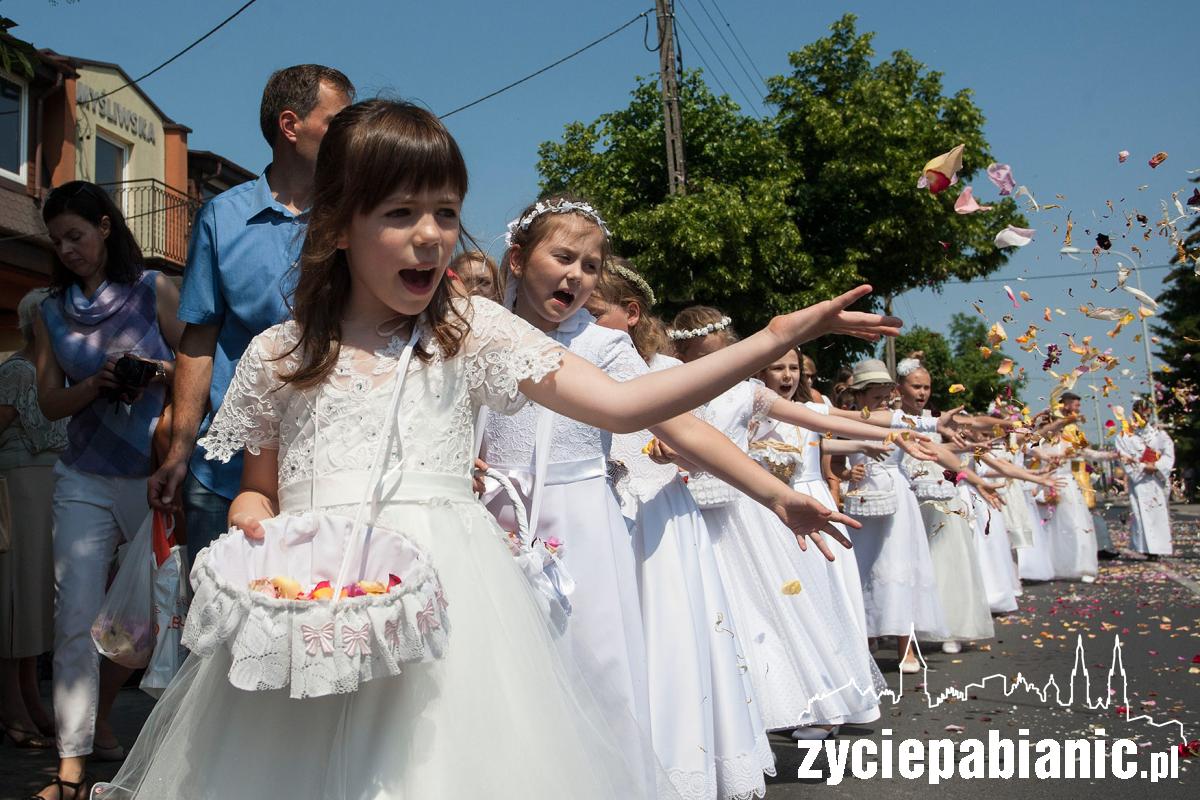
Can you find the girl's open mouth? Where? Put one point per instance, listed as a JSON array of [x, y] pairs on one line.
[[418, 281], [564, 297]]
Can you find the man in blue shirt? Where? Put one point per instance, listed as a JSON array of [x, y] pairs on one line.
[[239, 273]]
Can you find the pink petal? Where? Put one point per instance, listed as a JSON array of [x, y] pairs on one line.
[[1001, 175], [1013, 236], [966, 203], [1123, 156]]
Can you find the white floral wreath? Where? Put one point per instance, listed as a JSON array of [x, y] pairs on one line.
[[704, 330], [637, 280], [553, 207]]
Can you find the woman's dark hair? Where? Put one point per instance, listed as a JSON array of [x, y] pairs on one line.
[[371, 150], [93, 204]]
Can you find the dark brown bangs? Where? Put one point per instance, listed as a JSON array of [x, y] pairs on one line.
[[400, 148]]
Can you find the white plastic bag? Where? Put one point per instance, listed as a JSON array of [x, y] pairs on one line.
[[171, 597], [123, 631]]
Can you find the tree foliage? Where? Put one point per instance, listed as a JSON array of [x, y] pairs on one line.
[[1178, 321], [788, 211], [958, 359]]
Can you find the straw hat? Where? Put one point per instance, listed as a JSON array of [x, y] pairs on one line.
[[869, 371]]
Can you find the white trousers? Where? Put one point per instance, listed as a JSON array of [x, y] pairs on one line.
[[93, 514]]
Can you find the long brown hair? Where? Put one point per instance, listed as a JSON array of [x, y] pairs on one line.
[[371, 150], [649, 334]]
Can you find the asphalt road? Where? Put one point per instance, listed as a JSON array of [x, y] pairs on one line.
[[1152, 608]]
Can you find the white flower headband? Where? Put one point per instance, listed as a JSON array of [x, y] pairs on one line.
[[637, 280], [702, 331], [907, 366], [553, 207]]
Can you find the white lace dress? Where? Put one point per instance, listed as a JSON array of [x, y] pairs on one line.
[[502, 675], [705, 723], [899, 588], [952, 549], [578, 507], [808, 663]]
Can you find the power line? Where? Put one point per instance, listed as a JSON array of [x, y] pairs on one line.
[[222, 24], [736, 57], [1023, 279], [548, 67], [703, 60], [720, 61], [739, 41]]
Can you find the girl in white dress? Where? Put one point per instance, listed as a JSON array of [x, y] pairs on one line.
[[703, 719], [1149, 456], [809, 667], [555, 256], [309, 403]]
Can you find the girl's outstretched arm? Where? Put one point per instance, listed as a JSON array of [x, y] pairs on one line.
[[705, 446], [584, 392], [258, 497]]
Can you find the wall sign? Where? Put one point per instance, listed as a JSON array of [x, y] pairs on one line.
[[120, 116]]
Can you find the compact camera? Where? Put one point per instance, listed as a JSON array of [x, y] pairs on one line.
[[134, 374]]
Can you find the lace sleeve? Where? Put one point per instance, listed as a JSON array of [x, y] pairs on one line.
[[249, 416], [764, 398], [501, 351]]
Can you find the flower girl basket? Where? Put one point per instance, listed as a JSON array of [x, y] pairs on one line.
[[391, 612]]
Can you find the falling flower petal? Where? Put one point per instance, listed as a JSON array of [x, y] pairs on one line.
[[942, 172], [1103, 242], [996, 334], [1123, 273], [1123, 156], [1046, 314], [1142, 297], [791, 587], [1008, 291], [1101, 312], [1026, 296], [1157, 159], [966, 203], [1013, 236], [1001, 175], [1005, 367], [956, 388]]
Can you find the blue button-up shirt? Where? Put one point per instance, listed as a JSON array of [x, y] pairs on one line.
[[239, 275]]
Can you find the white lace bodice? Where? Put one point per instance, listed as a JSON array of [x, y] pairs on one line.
[[642, 477], [739, 409], [335, 428], [508, 441]]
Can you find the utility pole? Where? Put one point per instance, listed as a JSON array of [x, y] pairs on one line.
[[889, 344], [672, 124], [1146, 342]]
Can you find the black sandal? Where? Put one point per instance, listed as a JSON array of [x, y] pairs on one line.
[[63, 786]]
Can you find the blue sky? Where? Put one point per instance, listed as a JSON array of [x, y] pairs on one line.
[[1064, 86]]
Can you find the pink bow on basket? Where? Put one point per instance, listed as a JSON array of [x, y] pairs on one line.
[[354, 640], [391, 632], [321, 637], [427, 618]]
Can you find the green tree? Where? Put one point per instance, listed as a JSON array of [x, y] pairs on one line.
[[789, 211], [1178, 326], [958, 359]]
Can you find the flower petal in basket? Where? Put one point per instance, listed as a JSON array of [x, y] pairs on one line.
[[315, 647]]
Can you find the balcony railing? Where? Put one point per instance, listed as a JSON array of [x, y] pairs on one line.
[[159, 216]]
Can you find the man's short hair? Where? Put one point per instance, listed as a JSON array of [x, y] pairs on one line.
[[296, 89], [1069, 396]]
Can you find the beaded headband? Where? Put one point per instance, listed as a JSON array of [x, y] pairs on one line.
[[553, 207], [637, 280], [702, 331]]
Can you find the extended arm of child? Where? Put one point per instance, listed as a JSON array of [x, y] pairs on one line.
[[258, 497]]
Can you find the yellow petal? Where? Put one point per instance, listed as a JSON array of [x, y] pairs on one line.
[[947, 164], [1026, 296], [985, 351], [791, 587], [1005, 367], [956, 388]]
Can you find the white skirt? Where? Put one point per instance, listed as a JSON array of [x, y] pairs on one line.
[[704, 722], [1016, 515], [1034, 562], [808, 661], [843, 572], [899, 588], [1072, 535], [956, 567], [503, 676], [995, 556]]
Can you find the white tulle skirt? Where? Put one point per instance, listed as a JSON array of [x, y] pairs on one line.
[[704, 722], [899, 588], [808, 661], [843, 572], [995, 556], [1034, 562], [956, 567], [1072, 535], [506, 713]]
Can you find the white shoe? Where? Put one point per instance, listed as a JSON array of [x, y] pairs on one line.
[[813, 733], [1088, 579], [952, 648], [910, 667]]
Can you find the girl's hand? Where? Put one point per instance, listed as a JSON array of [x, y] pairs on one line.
[[249, 524], [477, 485], [831, 317], [807, 517], [916, 447], [856, 473], [990, 496], [106, 379]]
